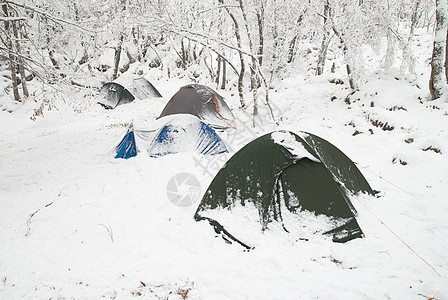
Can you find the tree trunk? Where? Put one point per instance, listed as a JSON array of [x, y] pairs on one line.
[[118, 48], [322, 54], [85, 55], [218, 71], [255, 111], [210, 67], [48, 36], [242, 63], [446, 57], [20, 61], [75, 8], [390, 51], [438, 55], [223, 82], [253, 73], [291, 49], [268, 103], [325, 42], [408, 58], [117, 57], [292, 44], [15, 87], [351, 79], [12, 62], [260, 22], [241, 80], [184, 54]]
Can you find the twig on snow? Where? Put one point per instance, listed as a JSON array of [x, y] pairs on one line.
[[28, 222], [109, 230]]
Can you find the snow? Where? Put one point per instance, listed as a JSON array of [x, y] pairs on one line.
[[77, 224], [288, 141]]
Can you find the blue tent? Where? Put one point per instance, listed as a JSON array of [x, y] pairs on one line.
[[127, 148], [181, 133], [186, 133]]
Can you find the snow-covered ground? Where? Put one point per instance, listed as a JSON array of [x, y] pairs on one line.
[[75, 223]]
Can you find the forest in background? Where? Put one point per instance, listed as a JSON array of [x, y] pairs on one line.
[[241, 44]]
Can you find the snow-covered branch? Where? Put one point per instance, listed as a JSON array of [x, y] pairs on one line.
[[12, 19], [50, 16]]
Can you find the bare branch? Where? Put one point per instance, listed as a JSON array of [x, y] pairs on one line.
[[12, 19], [49, 16], [226, 6], [207, 45]]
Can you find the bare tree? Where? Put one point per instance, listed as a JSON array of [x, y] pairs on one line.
[[218, 70], [254, 71], [345, 49], [224, 79], [291, 49], [118, 47], [10, 49], [20, 59], [117, 56], [259, 12], [446, 56], [348, 67], [237, 33], [325, 40], [436, 80], [40, 33], [293, 41], [408, 58]]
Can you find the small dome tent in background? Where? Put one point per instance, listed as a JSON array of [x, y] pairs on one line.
[[113, 93]]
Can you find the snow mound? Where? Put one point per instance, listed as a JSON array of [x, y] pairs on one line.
[[288, 141]]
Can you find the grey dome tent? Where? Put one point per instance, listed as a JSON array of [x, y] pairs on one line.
[[284, 174], [113, 94], [202, 102], [143, 89]]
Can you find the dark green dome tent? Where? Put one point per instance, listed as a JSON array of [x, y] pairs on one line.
[[285, 171]]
